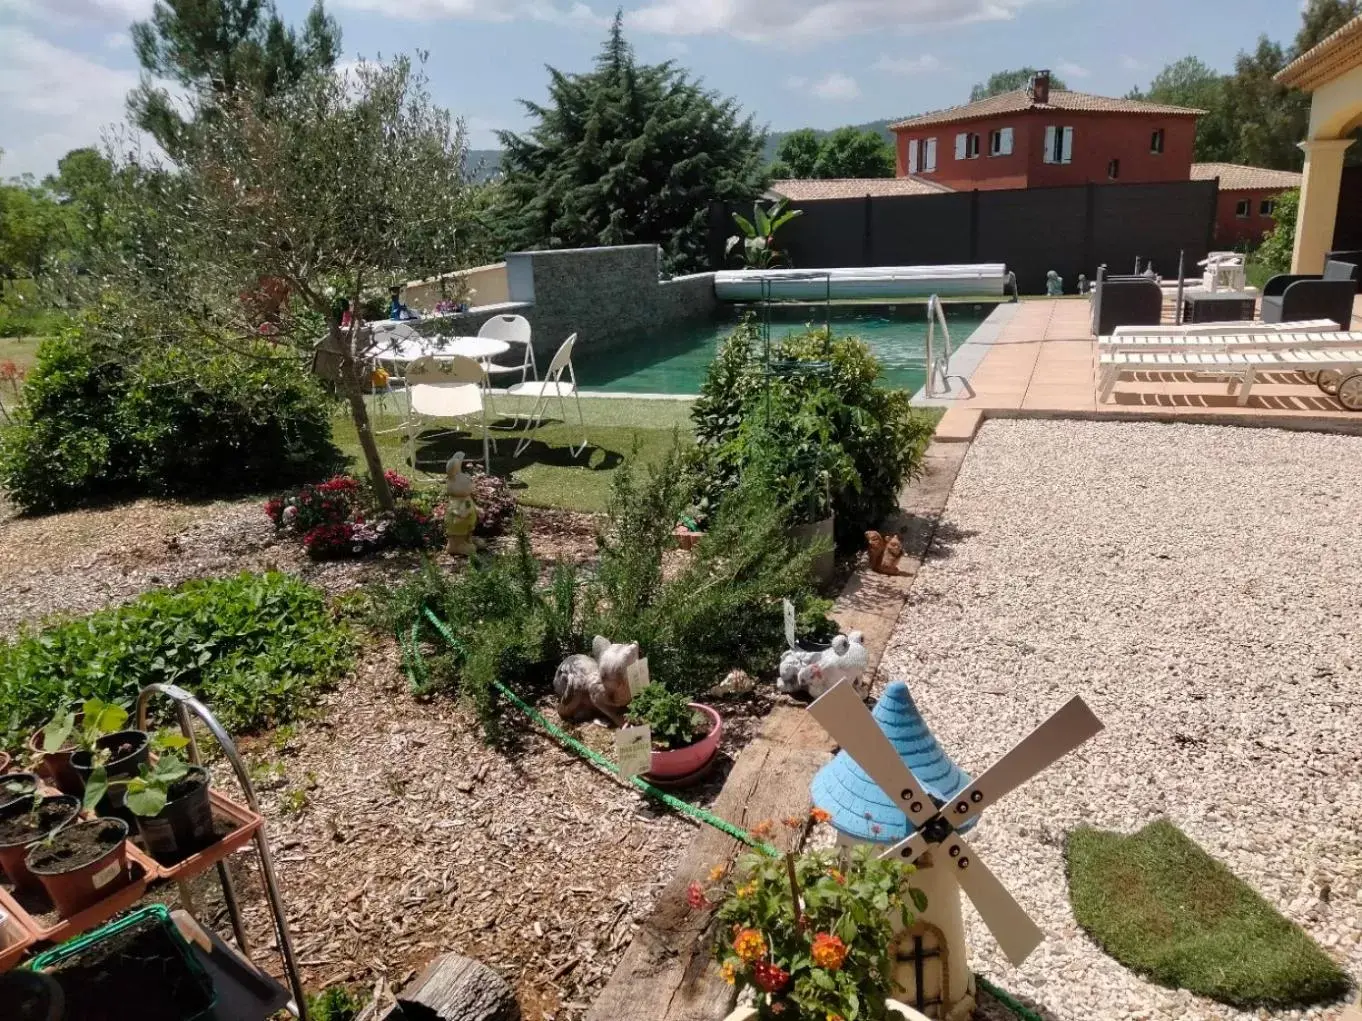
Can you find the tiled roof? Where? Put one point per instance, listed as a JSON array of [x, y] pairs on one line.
[[1331, 57], [1236, 177], [1019, 100], [855, 188], [857, 806]]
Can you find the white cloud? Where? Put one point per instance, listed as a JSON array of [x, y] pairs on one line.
[[907, 65], [808, 21], [479, 10], [79, 11], [1071, 70], [53, 100], [1131, 64], [833, 86], [117, 41], [677, 48]]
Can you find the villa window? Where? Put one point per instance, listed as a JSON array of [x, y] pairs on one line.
[[1000, 142], [1156, 141], [1268, 207], [1241, 209], [966, 146], [929, 155], [912, 155], [1059, 144], [1113, 169]]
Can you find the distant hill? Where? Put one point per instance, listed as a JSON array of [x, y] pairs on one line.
[[484, 163], [774, 139]]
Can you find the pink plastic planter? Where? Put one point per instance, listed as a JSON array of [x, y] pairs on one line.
[[685, 761]]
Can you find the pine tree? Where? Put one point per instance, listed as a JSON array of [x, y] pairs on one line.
[[214, 48], [628, 153]]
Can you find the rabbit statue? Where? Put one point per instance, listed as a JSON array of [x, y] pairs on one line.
[[596, 683]]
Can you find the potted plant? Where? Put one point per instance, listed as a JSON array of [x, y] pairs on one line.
[[81, 863], [50, 750], [168, 800], [24, 823], [685, 734], [105, 748], [4, 762], [811, 935], [16, 786], [756, 244]]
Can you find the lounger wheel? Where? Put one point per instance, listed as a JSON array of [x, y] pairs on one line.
[[1350, 392], [1312, 375], [1328, 381]]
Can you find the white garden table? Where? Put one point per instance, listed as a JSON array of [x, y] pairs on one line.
[[409, 349]]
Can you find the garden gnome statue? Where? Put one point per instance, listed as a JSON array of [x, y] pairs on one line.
[[461, 513], [1082, 284], [1054, 284]]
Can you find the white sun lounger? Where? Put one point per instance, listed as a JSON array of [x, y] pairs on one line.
[[1211, 329], [1240, 364]]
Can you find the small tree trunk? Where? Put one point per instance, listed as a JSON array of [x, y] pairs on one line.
[[351, 382]]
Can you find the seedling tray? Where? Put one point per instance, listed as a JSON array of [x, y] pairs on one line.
[[16, 936], [38, 914], [244, 992], [238, 825]]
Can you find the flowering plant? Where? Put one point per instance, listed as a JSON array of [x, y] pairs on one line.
[[821, 953], [340, 518]]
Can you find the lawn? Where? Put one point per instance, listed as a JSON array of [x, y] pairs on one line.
[[546, 474], [1163, 907]]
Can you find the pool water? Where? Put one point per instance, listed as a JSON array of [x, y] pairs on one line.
[[675, 361]]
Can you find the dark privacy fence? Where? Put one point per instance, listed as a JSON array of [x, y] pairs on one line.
[[1032, 230], [1348, 225]]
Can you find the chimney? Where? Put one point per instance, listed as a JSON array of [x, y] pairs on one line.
[[1040, 88]]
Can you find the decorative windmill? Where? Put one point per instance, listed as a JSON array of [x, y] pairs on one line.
[[892, 785]]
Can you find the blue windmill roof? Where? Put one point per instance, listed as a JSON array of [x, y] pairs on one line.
[[856, 804]]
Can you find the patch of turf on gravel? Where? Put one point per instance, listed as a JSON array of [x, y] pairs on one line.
[[1164, 908]]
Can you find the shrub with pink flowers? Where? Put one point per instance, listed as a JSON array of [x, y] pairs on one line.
[[339, 519]]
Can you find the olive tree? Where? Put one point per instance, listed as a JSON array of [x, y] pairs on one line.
[[338, 185]]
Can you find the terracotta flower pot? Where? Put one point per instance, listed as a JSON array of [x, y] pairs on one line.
[[4, 761], [55, 811], [686, 538], [82, 864], [55, 767], [17, 787], [679, 762]]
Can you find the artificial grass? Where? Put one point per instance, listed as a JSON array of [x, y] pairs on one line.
[[546, 474], [1164, 908]]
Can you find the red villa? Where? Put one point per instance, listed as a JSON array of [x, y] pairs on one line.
[[1036, 137]]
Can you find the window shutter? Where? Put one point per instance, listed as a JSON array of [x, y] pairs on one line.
[[961, 140], [929, 157], [1068, 155], [1005, 142], [1050, 144], [912, 156]]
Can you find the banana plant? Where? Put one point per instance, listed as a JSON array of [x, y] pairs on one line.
[[758, 238]]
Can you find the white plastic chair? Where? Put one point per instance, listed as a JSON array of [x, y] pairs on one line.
[[445, 388], [552, 385], [513, 330]]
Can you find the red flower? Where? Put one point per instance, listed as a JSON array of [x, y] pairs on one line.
[[274, 509], [695, 897], [772, 978]]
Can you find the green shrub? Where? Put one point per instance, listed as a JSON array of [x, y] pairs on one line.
[[258, 649], [103, 419], [670, 719], [807, 432], [1275, 251], [336, 1003]]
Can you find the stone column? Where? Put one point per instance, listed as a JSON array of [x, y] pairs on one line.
[[1319, 202]]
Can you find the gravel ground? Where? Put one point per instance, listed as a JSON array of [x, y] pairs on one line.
[[1198, 586]]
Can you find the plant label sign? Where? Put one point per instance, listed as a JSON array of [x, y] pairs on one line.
[[634, 749], [789, 623], [638, 676]]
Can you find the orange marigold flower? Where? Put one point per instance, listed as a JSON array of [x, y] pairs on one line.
[[750, 945], [819, 815], [763, 830], [793, 821], [717, 873], [828, 951], [837, 876], [747, 889], [729, 972], [695, 897], [834, 1017]]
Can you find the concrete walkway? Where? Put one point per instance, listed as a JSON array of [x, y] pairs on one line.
[[1044, 360]]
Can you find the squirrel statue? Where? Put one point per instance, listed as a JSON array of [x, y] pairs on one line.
[[885, 554], [598, 682]]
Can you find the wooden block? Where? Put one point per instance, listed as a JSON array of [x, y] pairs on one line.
[[455, 988]]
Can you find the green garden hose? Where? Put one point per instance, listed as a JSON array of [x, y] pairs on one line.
[[418, 677]]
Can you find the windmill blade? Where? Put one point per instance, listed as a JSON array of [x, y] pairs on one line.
[[1068, 728], [909, 849], [1006, 919], [844, 716]]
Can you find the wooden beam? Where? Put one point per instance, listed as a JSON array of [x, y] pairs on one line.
[[668, 973]]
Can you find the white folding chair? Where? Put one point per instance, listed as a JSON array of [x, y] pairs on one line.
[[513, 330], [445, 388], [552, 385]]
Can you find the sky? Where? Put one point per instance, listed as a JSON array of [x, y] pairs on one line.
[[66, 65]]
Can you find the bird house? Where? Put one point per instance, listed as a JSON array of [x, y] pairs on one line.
[[893, 786]]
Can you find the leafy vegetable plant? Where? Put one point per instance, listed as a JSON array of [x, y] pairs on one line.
[[674, 724]]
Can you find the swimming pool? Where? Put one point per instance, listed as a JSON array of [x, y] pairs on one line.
[[674, 361]]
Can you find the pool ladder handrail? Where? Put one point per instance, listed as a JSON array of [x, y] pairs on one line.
[[938, 363]]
